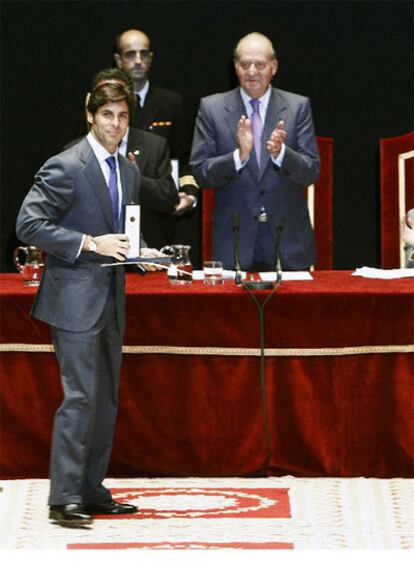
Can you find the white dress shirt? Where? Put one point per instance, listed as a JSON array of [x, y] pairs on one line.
[[264, 102], [101, 155]]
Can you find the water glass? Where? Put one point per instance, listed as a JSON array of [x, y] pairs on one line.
[[213, 272]]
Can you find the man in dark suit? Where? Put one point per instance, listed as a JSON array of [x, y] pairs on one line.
[[73, 213], [256, 145], [160, 111]]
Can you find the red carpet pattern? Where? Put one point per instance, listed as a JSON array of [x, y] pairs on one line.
[[205, 502], [206, 514], [183, 545]]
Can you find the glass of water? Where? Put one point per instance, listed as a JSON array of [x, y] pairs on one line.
[[213, 272]]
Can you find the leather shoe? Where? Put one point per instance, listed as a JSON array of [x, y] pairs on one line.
[[69, 515], [110, 507]]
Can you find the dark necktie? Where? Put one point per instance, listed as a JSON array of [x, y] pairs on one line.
[[257, 128], [138, 106], [113, 189]]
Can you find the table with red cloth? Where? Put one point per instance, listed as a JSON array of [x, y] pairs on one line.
[[338, 380]]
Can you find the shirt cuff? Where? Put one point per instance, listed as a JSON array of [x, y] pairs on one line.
[[81, 245], [279, 159], [237, 162]]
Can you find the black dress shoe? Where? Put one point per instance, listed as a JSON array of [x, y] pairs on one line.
[[110, 507], [69, 515]]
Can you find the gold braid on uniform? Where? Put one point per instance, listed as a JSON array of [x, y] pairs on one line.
[[188, 181]]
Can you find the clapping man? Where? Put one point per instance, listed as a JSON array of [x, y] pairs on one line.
[[256, 146]]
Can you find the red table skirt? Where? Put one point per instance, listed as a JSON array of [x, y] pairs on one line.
[[343, 416], [189, 411]]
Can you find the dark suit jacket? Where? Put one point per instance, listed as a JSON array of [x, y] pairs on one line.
[[279, 190], [163, 114], [70, 198], [158, 193]]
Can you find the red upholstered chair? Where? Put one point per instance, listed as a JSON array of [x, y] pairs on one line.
[[397, 195], [319, 198]]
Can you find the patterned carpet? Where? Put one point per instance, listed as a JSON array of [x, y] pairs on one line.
[[202, 514]]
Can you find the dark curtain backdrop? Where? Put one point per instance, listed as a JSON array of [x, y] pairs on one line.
[[352, 58]]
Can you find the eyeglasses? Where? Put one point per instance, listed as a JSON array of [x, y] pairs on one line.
[[132, 55], [258, 65]]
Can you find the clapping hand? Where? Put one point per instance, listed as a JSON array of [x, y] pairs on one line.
[[244, 137], [276, 139]]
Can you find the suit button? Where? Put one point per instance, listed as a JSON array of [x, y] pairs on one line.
[[262, 192]]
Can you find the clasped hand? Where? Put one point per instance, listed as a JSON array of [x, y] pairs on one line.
[[185, 203]]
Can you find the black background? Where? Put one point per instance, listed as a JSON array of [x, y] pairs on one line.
[[354, 59]]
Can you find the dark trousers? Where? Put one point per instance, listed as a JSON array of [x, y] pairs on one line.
[[90, 364]]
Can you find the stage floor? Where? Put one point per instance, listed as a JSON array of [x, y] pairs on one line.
[[285, 513]]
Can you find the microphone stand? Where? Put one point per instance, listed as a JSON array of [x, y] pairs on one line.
[[251, 286], [237, 267], [278, 266]]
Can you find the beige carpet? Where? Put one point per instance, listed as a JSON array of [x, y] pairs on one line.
[[201, 514]]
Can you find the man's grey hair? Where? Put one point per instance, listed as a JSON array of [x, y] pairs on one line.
[[255, 35]]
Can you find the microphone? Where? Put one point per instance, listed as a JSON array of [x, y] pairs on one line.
[[236, 229], [278, 267]]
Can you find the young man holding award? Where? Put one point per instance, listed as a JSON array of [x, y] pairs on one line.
[[74, 213]]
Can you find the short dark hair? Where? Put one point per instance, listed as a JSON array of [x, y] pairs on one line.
[[108, 74], [110, 93]]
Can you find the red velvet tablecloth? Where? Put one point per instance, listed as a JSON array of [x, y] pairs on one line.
[[338, 380]]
